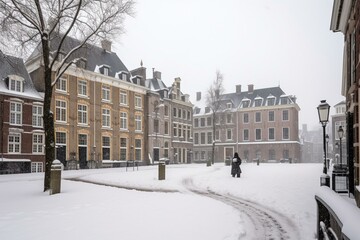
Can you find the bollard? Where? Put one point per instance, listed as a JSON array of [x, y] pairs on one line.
[[257, 161], [161, 171], [55, 177]]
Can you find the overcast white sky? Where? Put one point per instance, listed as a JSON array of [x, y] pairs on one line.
[[266, 43]]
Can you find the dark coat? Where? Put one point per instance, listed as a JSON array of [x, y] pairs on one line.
[[235, 166]]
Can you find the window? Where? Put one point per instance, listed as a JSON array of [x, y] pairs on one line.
[[228, 105], [258, 102], [286, 134], [246, 118], [284, 100], [82, 140], [15, 113], [175, 129], [196, 136], [271, 101], [123, 76], [246, 134], [37, 167], [137, 149], [166, 149], [217, 134], [166, 110], [258, 117], [202, 122], [174, 112], [16, 85], [202, 138], [123, 120], [257, 134], [105, 148], [156, 125], [229, 134], [245, 103], [285, 115], [81, 63], [37, 116], [123, 98], [271, 116], [138, 101], [188, 115], [166, 127], [106, 117], [82, 114], [271, 133], [82, 88], [123, 148], [38, 143], [209, 121], [61, 84], [60, 111], [60, 138], [179, 113], [105, 71], [228, 118], [14, 143], [105, 93], [196, 122], [209, 138], [179, 130], [138, 126]]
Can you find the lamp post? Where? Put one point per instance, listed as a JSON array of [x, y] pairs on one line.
[[323, 111], [327, 150], [341, 135]]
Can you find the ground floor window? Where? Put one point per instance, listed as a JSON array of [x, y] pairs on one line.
[[137, 149], [106, 148], [14, 143], [123, 147], [37, 167]]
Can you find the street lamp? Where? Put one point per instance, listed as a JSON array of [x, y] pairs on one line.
[[341, 135], [327, 149], [323, 111]]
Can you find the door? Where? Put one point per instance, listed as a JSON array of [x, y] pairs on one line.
[[61, 154], [156, 154], [83, 157]]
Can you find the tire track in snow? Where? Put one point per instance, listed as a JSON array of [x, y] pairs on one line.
[[266, 223]]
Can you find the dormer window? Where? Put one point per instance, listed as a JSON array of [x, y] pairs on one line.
[[228, 105], [207, 109], [245, 103], [81, 63], [16, 84], [61, 84], [258, 102], [123, 76], [61, 56], [105, 70], [284, 100], [271, 101]]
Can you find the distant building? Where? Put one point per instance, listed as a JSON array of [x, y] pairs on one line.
[[339, 119], [257, 123], [21, 125], [169, 121]]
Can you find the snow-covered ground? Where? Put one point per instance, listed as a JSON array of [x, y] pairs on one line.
[[163, 210]]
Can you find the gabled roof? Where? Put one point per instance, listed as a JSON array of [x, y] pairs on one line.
[[15, 66], [155, 84], [95, 56]]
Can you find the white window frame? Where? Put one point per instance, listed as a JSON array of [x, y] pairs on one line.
[[247, 137], [14, 145], [37, 167], [283, 133], [82, 114], [273, 129], [106, 117], [138, 123], [61, 111], [37, 116], [123, 98], [123, 120], [138, 149], [82, 87], [283, 116], [256, 137], [16, 85], [105, 93], [38, 143], [229, 130], [61, 84], [15, 113], [138, 101]]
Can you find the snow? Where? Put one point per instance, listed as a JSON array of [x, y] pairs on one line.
[[162, 209]]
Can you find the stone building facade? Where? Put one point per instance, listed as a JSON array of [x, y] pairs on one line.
[[258, 124]]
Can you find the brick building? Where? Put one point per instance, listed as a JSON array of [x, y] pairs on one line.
[[21, 125], [98, 106], [258, 124]]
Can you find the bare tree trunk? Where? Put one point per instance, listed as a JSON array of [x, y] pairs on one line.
[[48, 115]]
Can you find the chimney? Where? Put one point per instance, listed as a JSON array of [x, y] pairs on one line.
[[157, 75], [251, 88], [238, 88], [198, 96], [106, 45]]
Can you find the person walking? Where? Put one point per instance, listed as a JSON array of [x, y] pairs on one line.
[[235, 165]]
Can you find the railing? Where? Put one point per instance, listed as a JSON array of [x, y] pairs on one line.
[[337, 217]]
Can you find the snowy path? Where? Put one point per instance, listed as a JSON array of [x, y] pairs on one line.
[[266, 223]]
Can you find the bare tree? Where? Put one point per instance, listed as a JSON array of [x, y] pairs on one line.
[[213, 102], [27, 24]]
